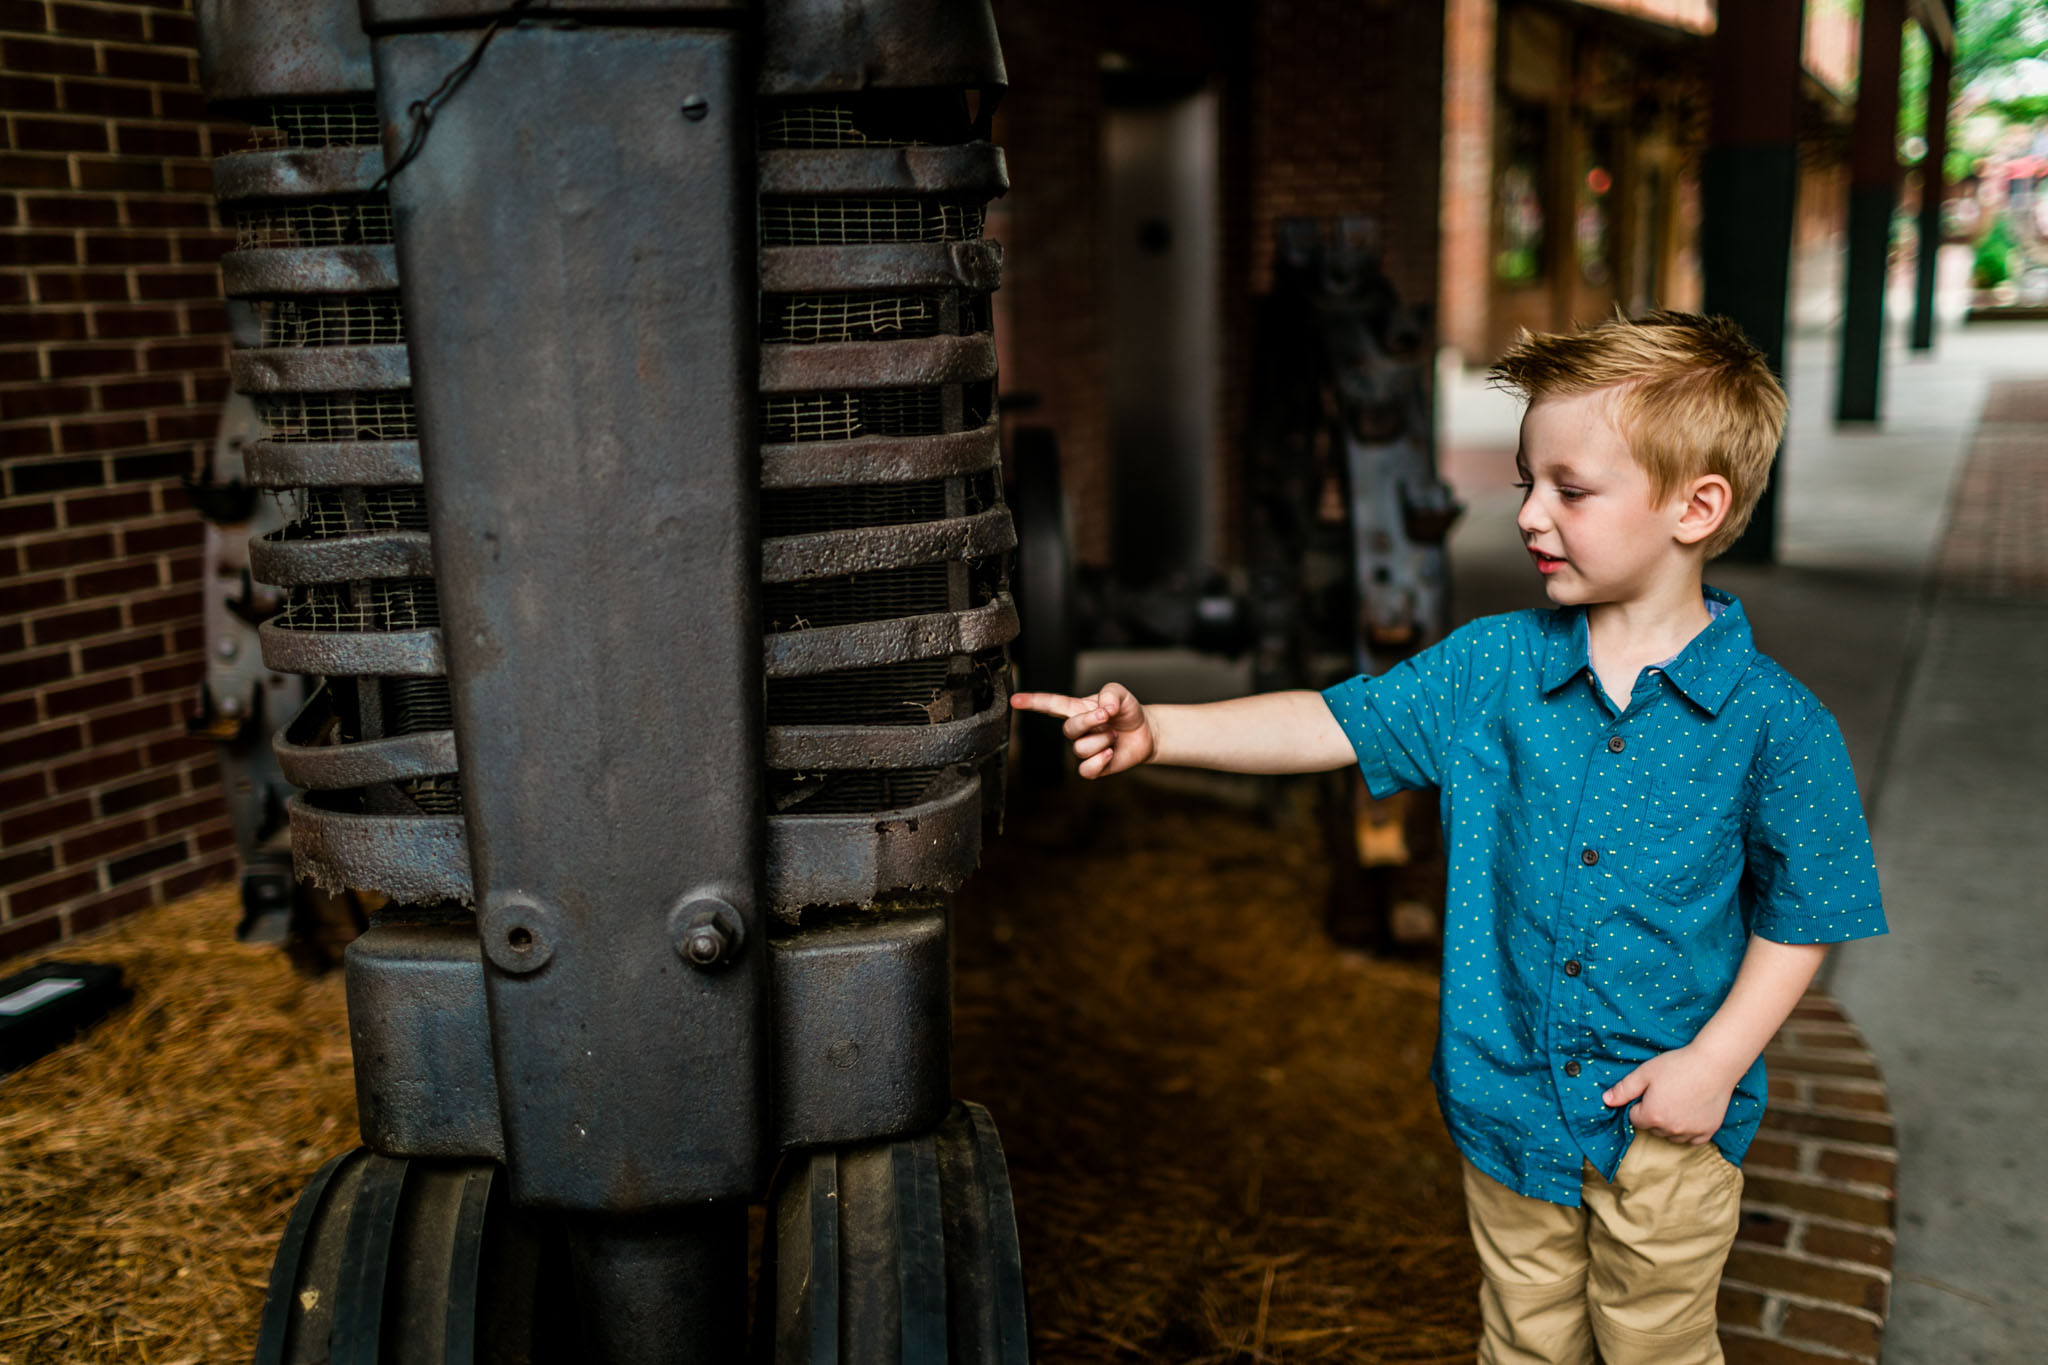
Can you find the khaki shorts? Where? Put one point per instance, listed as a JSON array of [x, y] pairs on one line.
[[1636, 1269]]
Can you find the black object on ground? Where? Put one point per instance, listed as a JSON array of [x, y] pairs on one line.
[[45, 1007]]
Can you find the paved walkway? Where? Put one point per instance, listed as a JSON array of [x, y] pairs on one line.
[[1913, 597]]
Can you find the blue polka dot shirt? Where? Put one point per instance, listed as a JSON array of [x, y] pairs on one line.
[[1607, 867]]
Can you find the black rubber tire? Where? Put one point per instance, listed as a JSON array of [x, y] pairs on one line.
[[388, 1261], [1046, 597], [896, 1253]]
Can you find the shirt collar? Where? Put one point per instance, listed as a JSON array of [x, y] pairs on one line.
[[1705, 671]]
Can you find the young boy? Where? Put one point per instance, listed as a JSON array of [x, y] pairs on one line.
[[1653, 832]]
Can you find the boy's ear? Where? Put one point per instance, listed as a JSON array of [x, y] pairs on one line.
[[1706, 503]]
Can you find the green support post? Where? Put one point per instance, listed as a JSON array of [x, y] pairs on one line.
[[1749, 188], [1873, 193], [1933, 185]]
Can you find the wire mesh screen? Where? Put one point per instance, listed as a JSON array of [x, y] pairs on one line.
[[804, 319], [325, 222], [412, 705], [802, 511], [323, 513], [335, 320], [844, 416], [378, 604], [853, 598], [314, 123], [307, 417], [894, 694], [843, 793], [820, 221], [817, 125]]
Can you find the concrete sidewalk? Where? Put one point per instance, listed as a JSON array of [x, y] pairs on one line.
[[1932, 672]]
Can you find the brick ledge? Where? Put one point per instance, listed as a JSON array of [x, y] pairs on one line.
[[1809, 1281]]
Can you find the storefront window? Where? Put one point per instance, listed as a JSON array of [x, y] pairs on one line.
[[1520, 197]]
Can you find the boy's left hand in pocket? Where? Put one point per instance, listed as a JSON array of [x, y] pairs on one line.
[[1679, 1095]]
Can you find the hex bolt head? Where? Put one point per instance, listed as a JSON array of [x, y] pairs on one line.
[[706, 932], [705, 946]]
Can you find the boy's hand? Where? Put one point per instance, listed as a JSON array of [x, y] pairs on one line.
[[1110, 730], [1680, 1095]]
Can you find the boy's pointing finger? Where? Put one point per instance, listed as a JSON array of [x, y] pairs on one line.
[[1050, 703]]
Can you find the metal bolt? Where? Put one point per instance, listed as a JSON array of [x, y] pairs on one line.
[[706, 932], [706, 945], [695, 108]]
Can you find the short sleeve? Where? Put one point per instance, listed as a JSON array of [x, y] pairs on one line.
[[1811, 877], [1397, 720]]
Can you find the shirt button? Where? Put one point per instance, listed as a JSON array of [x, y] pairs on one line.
[[1571, 1068], [1616, 744], [1589, 857], [1571, 968]]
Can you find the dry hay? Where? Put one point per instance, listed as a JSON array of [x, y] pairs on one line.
[[1220, 1131], [146, 1170]]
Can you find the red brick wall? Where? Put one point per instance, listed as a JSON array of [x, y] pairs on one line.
[[1347, 108], [1050, 127], [112, 367], [1329, 107]]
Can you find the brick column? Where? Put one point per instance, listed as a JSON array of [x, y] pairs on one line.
[[1467, 269], [112, 367]]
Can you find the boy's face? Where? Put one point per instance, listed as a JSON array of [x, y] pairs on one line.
[[1588, 518]]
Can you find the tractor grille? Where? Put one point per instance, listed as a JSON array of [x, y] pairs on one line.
[[378, 604], [893, 694], [805, 319], [844, 416], [413, 705], [803, 511], [360, 221], [897, 431], [848, 793], [335, 320], [323, 513], [821, 221], [854, 598], [387, 416], [314, 123], [435, 795]]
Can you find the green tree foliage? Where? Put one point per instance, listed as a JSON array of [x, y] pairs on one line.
[[1992, 37]]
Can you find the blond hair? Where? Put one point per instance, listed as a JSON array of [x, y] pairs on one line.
[[1692, 396]]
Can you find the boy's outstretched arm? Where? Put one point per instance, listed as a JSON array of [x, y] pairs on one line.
[[1273, 732], [1683, 1094]]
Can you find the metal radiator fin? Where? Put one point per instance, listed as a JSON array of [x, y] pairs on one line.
[[865, 221], [380, 604], [302, 223], [386, 416], [807, 319], [333, 320], [844, 793], [854, 598], [805, 511], [850, 414], [314, 123], [323, 513]]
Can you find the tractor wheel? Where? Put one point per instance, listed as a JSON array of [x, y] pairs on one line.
[[389, 1261], [897, 1253]]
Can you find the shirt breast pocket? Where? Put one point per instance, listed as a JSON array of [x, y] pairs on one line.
[[1691, 839]]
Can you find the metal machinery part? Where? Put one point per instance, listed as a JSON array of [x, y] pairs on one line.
[[1046, 598], [1348, 519], [240, 699], [662, 623]]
